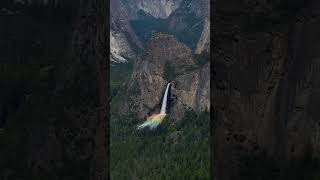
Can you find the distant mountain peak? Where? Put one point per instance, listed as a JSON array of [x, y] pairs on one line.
[[135, 21], [158, 8]]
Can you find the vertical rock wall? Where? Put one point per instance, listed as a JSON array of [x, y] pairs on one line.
[[265, 87], [61, 132], [190, 84]]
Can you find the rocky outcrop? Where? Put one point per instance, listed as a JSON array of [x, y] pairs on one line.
[[120, 48], [203, 45], [200, 8], [191, 91], [265, 89], [156, 8], [189, 19], [178, 17], [190, 85], [123, 40]]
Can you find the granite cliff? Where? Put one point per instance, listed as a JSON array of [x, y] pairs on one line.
[[265, 80], [124, 43], [203, 45], [133, 23], [56, 119], [168, 60]]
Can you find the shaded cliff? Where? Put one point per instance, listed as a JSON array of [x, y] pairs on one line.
[[167, 60], [59, 129], [188, 21], [124, 42], [156, 8], [134, 22], [265, 89], [203, 44]]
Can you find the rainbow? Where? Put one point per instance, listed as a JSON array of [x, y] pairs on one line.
[[153, 121]]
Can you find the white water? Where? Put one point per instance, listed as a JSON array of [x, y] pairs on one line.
[[164, 101], [155, 120]]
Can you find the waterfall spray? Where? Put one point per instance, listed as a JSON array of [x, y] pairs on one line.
[[155, 120]]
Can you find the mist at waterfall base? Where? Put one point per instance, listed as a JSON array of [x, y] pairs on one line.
[[156, 119]]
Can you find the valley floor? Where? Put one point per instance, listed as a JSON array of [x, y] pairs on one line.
[[173, 151]]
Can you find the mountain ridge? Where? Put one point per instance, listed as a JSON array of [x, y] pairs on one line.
[[175, 20], [190, 84]]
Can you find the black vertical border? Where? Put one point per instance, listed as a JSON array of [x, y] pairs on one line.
[[107, 21], [108, 85], [212, 10]]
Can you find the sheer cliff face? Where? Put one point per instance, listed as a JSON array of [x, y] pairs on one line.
[[191, 87], [181, 17], [39, 2], [156, 8], [265, 87], [124, 41], [189, 19], [191, 91], [200, 8], [60, 132], [120, 48], [204, 41]]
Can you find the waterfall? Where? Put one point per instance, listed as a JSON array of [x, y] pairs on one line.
[[155, 120], [164, 101]]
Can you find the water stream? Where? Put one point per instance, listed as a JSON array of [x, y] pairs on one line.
[[165, 100], [156, 119]]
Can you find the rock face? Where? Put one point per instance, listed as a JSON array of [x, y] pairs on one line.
[[200, 8], [156, 8], [265, 88], [52, 3], [119, 47], [204, 41], [59, 128], [180, 17], [191, 91], [124, 42], [148, 81], [188, 21]]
